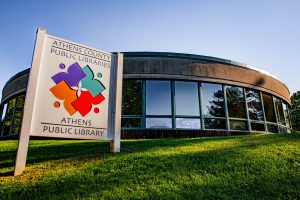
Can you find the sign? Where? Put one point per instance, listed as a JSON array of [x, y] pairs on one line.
[[73, 88], [74, 91]]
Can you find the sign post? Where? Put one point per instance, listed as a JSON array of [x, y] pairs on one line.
[[74, 91]]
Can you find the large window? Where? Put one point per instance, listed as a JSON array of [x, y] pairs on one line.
[[286, 115], [213, 106], [279, 111], [158, 104], [235, 102], [213, 100], [132, 97], [176, 104], [187, 105], [9, 117], [268, 107], [18, 114], [187, 98], [158, 97], [255, 110], [254, 105], [132, 104]]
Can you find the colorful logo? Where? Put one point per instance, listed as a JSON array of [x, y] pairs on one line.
[[78, 89]]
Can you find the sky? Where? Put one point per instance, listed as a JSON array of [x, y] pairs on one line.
[[261, 33]]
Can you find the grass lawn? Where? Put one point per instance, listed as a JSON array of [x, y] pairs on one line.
[[262, 166]]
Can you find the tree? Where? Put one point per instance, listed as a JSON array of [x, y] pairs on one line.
[[295, 111]]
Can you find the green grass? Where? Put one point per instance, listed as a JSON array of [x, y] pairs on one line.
[[239, 167]]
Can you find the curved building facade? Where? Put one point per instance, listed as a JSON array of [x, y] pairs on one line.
[[181, 95]]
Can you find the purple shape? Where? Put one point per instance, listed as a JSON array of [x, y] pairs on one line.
[[72, 78], [62, 66]]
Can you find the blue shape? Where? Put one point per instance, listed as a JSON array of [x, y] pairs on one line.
[[94, 86]]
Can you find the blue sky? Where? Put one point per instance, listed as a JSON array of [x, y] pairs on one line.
[[261, 33]]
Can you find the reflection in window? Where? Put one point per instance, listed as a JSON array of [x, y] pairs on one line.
[[19, 110], [268, 107], [254, 105], [158, 98], [286, 115], [235, 102], [16, 129], [282, 129], [238, 125], [131, 122], [131, 97], [257, 126], [212, 100], [186, 98], [8, 117], [158, 123], [4, 111], [188, 123], [215, 123], [272, 128], [279, 111]]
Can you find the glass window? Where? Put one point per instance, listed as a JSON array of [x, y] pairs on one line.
[[186, 98], [235, 102], [268, 107], [158, 123], [238, 125], [213, 100], [131, 122], [257, 126], [158, 98], [254, 105], [286, 115], [4, 111], [16, 129], [132, 97], [188, 123], [279, 111], [282, 129], [215, 123], [8, 117], [19, 110], [272, 128]]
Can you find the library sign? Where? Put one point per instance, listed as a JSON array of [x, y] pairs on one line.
[[72, 93]]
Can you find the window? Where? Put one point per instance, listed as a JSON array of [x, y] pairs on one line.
[[9, 115], [286, 115], [132, 97], [131, 122], [158, 97], [211, 123], [131, 103], [213, 100], [238, 125], [279, 111], [268, 107], [187, 98], [160, 123], [254, 105], [257, 126], [4, 111], [235, 102], [188, 123], [272, 128]]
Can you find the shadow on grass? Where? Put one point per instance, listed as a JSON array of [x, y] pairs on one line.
[[49, 150], [142, 172]]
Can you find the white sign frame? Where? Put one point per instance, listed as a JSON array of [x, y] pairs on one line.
[[114, 108]]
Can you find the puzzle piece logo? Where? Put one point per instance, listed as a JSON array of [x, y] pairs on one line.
[[78, 89]]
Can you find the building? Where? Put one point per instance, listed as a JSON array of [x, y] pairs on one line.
[[181, 95]]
